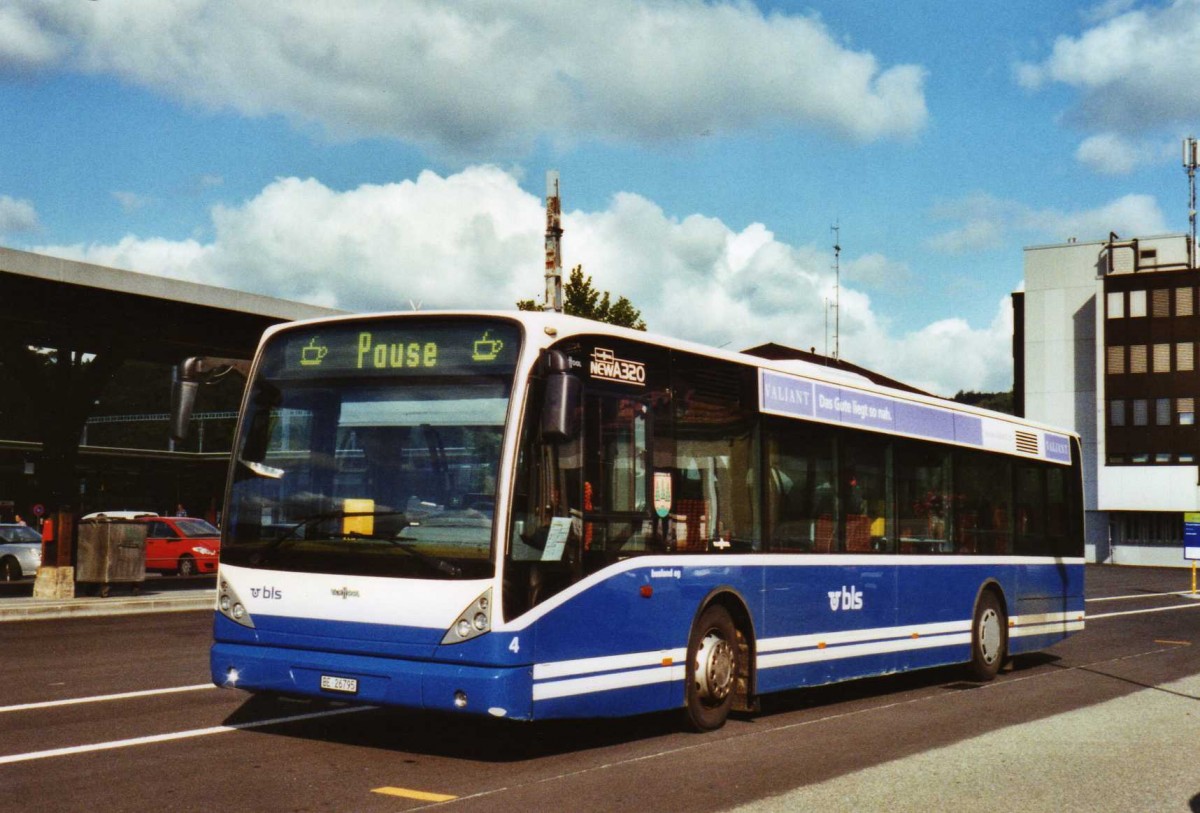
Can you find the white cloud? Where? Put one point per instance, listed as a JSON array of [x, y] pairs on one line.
[[17, 215], [1137, 70], [131, 201], [1113, 154], [471, 77], [474, 240], [986, 222], [26, 41]]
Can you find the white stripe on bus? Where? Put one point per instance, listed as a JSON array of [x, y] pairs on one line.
[[629, 670]]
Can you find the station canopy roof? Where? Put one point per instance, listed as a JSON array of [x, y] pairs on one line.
[[66, 304]]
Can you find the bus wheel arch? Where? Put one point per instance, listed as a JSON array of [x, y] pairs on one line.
[[989, 633], [720, 656]]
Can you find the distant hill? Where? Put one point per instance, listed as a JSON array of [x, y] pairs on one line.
[[998, 401]]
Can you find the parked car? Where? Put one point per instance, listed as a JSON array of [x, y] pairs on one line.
[[20, 552], [183, 545], [119, 515]]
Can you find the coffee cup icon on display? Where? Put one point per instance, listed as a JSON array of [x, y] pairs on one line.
[[313, 354], [487, 349]]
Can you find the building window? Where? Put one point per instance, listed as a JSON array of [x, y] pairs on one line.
[[1162, 457], [1141, 457], [1137, 304], [1141, 413], [1185, 357], [1187, 457], [1116, 304], [1137, 358], [1183, 301], [1116, 359], [1116, 459], [1116, 413], [1186, 409], [1162, 358], [1162, 411], [1160, 302]]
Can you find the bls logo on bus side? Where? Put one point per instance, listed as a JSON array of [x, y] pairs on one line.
[[850, 598]]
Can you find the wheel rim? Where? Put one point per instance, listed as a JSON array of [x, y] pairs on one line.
[[714, 669], [989, 635], [186, 568]]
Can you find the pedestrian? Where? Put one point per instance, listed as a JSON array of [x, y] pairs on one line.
[[180, 511], [19, 520]]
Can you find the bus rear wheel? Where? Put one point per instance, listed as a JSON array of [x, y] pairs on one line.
[[712, 669], [989, 638]]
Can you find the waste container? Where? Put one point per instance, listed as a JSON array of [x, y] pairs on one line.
[[111, 551]]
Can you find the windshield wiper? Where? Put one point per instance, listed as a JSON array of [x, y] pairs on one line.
[[434, 562]]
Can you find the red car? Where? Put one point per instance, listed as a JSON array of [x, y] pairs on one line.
[[183, 545]]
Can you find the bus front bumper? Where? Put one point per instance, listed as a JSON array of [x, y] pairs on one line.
[[438, 686]]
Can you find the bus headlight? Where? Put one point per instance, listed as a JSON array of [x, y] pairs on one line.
[[474, 621], [230, 605]]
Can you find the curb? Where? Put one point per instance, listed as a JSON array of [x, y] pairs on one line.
[[39, 609]]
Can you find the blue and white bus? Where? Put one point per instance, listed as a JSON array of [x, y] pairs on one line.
[[530, 516]]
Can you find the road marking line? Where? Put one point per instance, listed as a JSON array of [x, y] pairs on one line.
[[419, 795], [1177, 643], [1138, 595], [1140, 612], [46, 704], [177, 735]]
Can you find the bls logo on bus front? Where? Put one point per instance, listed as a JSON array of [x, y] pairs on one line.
[[847, 599]]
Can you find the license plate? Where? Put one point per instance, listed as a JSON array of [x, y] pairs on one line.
[[339, 684]]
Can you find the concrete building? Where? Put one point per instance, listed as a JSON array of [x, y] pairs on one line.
[[1105, 341]]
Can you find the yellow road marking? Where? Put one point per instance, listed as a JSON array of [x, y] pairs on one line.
[[1180, 643], [419, 795]]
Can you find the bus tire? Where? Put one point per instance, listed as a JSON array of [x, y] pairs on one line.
[[712, 669], [989, 638]]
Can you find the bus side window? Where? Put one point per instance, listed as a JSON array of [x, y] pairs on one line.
[[1031, 509], [714, 407], [983, 504], [801, 500]]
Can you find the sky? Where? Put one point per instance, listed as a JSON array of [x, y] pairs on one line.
[[376, 155]]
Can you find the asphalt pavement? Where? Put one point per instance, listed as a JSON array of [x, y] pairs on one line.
[[154, 595]]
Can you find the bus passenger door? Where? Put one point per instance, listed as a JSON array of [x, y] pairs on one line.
[[616, 487]]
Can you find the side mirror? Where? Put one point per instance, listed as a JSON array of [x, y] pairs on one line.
[[561, 402], [183, 397], [189, 375]]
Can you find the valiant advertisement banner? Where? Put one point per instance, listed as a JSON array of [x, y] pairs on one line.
[[792, 396]]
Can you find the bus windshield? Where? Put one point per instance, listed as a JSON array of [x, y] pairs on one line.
[[358, 461]]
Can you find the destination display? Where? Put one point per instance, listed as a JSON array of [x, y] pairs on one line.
[[396, 347]]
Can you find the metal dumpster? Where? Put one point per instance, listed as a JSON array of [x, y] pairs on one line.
[[111, 551]]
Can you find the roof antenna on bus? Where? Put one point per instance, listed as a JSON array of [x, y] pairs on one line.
[[554, 288]]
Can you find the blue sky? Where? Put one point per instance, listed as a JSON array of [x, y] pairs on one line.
[[376, 155]]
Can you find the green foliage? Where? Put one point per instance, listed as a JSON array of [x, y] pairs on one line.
[[580, 298], [996, 401]]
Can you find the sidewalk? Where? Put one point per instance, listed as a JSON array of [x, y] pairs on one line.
[[18, 604]]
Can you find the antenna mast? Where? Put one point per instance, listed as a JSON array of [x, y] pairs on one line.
[[837, 289], [554, 286], [1191, 157]]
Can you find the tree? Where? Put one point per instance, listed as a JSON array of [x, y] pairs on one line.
[[998, 401], [581, 299]]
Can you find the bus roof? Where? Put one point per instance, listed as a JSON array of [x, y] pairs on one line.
[[544, 328]]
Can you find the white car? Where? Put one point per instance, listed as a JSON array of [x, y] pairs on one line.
[[20, 552], [118, 514]]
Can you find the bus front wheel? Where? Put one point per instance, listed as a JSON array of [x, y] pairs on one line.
[[989, 638], [712, 669]]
